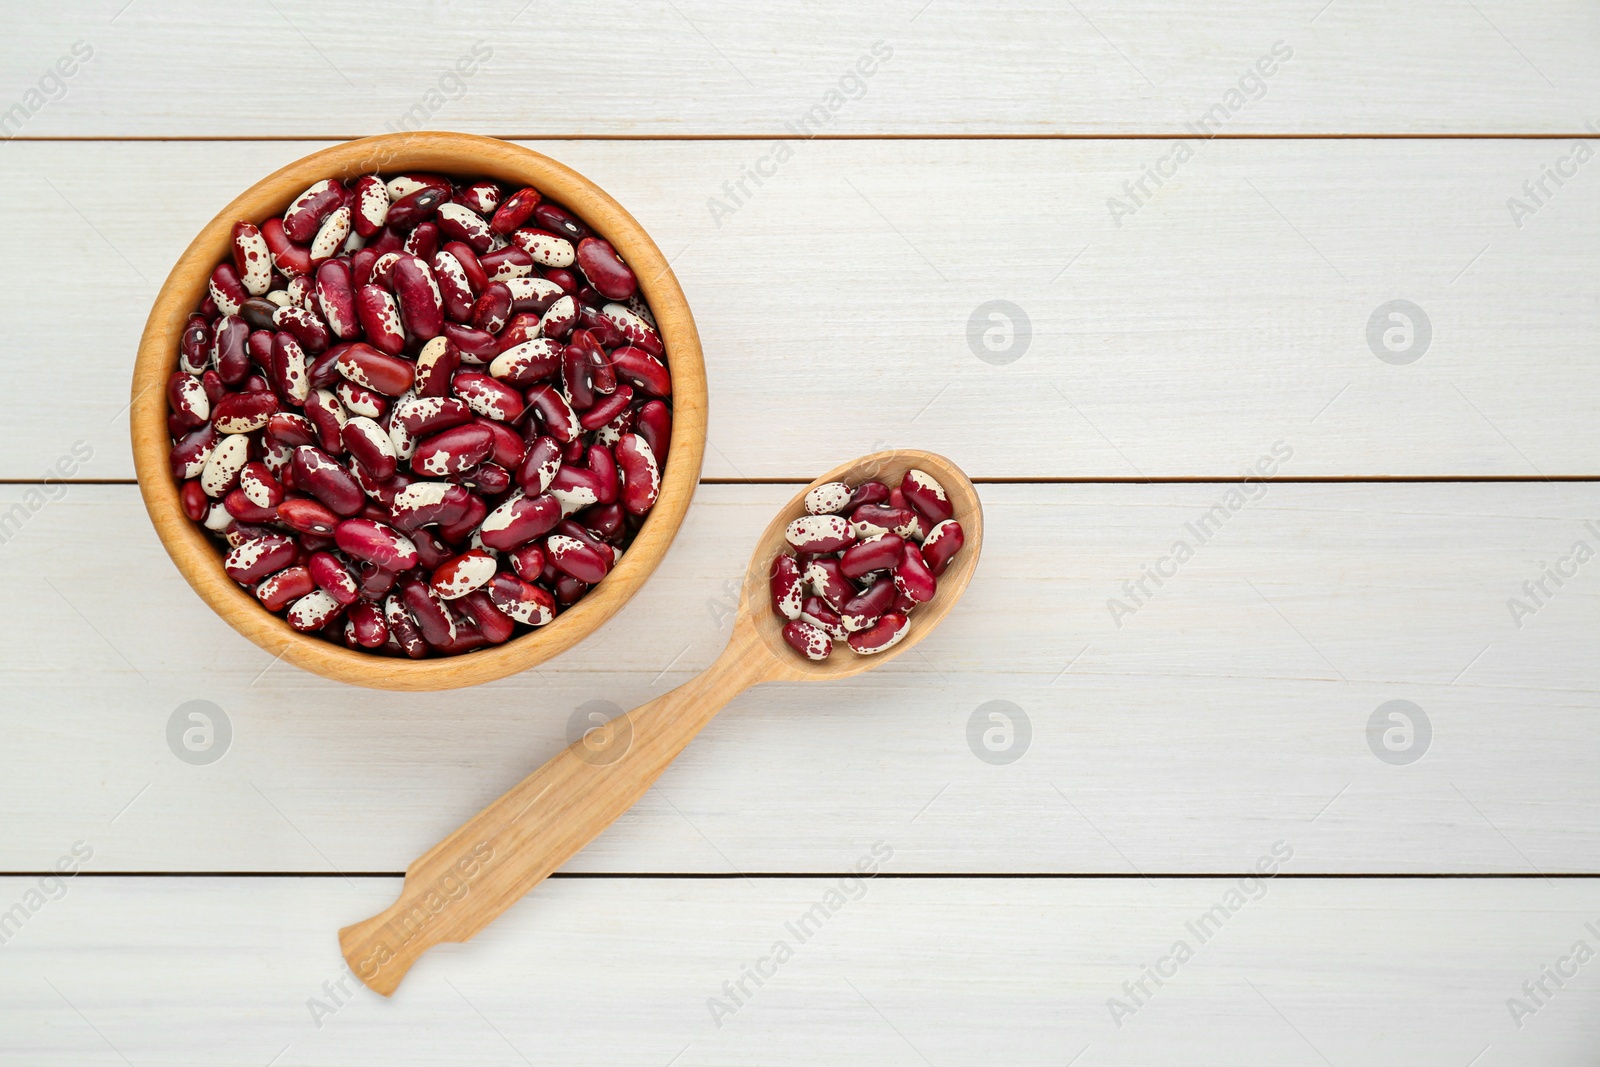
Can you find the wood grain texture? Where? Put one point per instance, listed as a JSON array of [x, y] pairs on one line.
[[1232, 706], [539, 824], [694, 68], [1181, 344], [903, 973], [198, 556]]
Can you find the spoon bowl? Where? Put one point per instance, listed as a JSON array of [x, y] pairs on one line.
[[465, 881], [888, 467]]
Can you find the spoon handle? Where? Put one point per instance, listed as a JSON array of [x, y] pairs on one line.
[[465, 881]]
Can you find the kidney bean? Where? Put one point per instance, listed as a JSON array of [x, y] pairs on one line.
[[259, 486], [307, 516], [868, 493], [864, 609], [881, 635], [814, 611], [243, 509], [605, 270], [808, 640], [633, 328], [654, 424], [514, 210], [879, 553], [230, 336], [829, 498], [333, 578], [575, 377], [575, 489], [558, 220], [913, 579], [370, 198], [306, 211], [379, 316], [539, 465], [477, 277], [575, 558], [409, 209], [260, 313], [476, 346], [465, 528], [434, 623], [535, 295], [422, 416], [505, 263], [290, 428], [304, 326], [606, 408], [452, 451], [559, 319], [370, 445], [546, 248], [289, 369], [423, 242], [641, 477], [526, 603], [321, 475], [608, 522], [487, 397], [601, 462], [454, 287], [926, 496], [252, 261], [194, 345], [313, 611], [192, 498], [491, 622], [462, 574], [492, 309], [527, 363], [331, 236], [328, 415], [508, 444], [226, 290], [787, 591], [367, 624], [941, 546], [872, 519], [222, 466], [279, 590], [255, 559], [288, 258], [820, 533], [191, 455], [461, 223], [643, 370], [187, 397], [825, 578], [427, 504], [375, 370], [421, 305], [335, 298], [359, 400], [436, 364]]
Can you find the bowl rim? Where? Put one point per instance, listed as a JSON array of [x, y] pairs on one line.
[[199, 559]]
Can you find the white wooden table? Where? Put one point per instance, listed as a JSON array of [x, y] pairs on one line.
[[1164, 741]]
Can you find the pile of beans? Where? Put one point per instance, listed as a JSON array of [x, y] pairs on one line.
[[864, 557], [423, 415]]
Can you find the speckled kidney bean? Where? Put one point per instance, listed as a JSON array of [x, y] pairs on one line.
[[881, 635], [278, 591], [514, 210], [879, 553], [487, 397], [926, 496], [452, 451], [787, 591], [941, 545], [819, 533], [328, 379], [827, 499], [808, 640]]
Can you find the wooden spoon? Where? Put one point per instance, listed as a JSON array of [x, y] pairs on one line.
[[465, 881]]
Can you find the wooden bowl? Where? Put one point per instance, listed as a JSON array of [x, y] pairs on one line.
[[198, 557]]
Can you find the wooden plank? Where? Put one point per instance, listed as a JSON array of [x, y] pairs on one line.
[[694, 68], [903, 971], [1230, 312], [1231, 706]]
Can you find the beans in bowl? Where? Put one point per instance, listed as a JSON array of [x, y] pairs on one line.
[[863, 558], [422, 415]]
